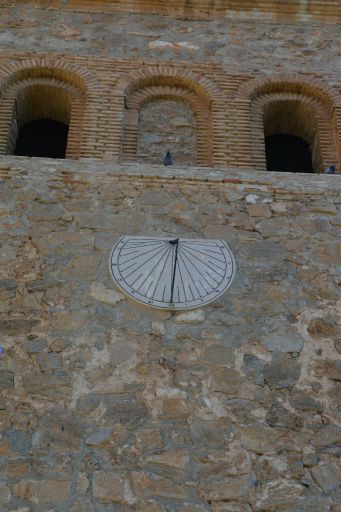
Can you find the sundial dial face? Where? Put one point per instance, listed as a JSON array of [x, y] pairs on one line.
[[172, 273]]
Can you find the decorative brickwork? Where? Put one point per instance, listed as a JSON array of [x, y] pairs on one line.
[[312, 10], [200, 109], [228, 109], [319, 122], [170, 83], [57, 76]]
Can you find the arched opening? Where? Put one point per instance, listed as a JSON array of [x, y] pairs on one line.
[[166, 125], [42, 138], [287, 153], [168, 111], [40, 122], [291, 140]]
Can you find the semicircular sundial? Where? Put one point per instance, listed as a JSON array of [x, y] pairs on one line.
[[172, 273]]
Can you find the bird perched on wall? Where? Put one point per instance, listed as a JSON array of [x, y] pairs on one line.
[[330, 170], [168, 160]]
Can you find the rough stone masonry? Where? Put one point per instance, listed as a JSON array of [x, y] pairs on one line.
[[107, 406]]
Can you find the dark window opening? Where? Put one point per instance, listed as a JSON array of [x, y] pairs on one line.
[[288, 153], [42, 138]]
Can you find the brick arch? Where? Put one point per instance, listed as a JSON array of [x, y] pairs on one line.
[[315, 128], [76, 82], [313, 86], [165, 83], [253, 96], [152, 75], [45, 66], [155, 92]]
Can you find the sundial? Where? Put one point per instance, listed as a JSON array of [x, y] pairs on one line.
[[172, 273]]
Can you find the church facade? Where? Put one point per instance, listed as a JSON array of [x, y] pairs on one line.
[[113, 404]]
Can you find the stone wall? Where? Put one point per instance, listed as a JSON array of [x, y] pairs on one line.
[[227, 69], [166, 125], [105, 405], [239, 44], [109, 406]]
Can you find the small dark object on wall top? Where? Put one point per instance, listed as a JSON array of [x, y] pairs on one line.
[[168, 160], [330, 170]]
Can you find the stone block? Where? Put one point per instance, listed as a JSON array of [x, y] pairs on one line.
[[174, 408], [149, 439], [5, 494], [327, 477], [17, 468], [283, 372], [302, 401], [218, 355], [17, 327], [329, 368], [6, 380], [337, 343], [296, 467], [226, 380], [327, 253], [43, 491], [7, 288], [270, 467], [323, 327], [109, 486], [82, 483], [326, 436], [289, 497], [311, 459], [82, 506], [215, 432], [276, 227], [234, 462], [225, 490], [49, 361], [171, 458], [336, 506], [279, 416], [35, 346], [41, 285], [50, 385], [152, 506], [46, 213], [230, 507], [261, 439], [147, 485], [253, 369], [60, 430], [19, 441], [191, 317], [106, 295], [259, 210], [101, 437], [283, 342]]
